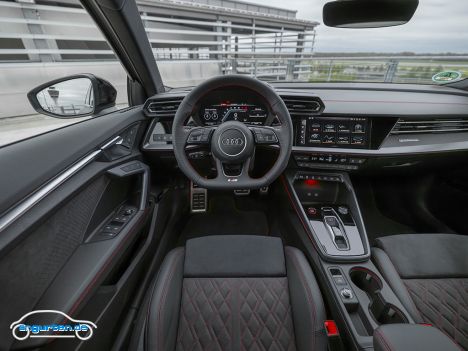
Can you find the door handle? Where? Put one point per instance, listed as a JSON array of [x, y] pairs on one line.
[[133, 168]]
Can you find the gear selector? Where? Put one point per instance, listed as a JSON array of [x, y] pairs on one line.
[[335, 228]]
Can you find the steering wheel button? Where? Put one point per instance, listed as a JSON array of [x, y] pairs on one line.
[[271, 137], [259, 138]]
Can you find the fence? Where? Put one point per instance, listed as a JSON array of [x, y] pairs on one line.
[[191, 40], [238, 37], [391, 69]]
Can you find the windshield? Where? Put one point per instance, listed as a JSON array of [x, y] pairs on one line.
[[195, 39]]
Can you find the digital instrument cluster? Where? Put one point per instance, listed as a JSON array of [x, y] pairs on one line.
[[247, 113]]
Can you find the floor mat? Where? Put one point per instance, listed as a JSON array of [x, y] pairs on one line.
[[223, 218]]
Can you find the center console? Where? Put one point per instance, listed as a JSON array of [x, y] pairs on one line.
[[328, 209]]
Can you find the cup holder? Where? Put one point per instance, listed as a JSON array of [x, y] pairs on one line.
[[382, 311], [365, 280]]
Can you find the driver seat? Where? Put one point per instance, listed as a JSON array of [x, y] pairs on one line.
[[229, 292]]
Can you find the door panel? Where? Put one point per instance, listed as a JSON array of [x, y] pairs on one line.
[[56, 255], [32, 265], [28, 164]]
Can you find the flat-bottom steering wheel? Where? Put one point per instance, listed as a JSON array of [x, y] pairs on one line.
[[233, 142]]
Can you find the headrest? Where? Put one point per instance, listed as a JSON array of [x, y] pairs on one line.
[[234, 256]]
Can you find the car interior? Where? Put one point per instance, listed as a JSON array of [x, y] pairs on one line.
[[241, 215]]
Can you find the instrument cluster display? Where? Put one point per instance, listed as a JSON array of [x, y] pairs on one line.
[[247, 113]]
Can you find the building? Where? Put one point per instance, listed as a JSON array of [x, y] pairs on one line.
[[191, 39]]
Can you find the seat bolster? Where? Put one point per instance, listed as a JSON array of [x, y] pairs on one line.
[[162, 315], [403, 337], [387, 269], [306, 303], [413, 255]]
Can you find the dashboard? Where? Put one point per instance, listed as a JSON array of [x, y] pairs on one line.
[[340, 126]]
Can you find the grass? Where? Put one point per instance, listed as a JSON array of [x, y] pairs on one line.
[[410, 71]]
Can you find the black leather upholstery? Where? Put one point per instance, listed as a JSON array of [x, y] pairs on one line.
[[306, 302], [405, 337], [261, 296], [429, 273], [164, 304]]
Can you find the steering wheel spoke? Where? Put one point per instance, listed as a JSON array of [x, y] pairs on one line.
[[265, 135], [233, 173], [199, 135]]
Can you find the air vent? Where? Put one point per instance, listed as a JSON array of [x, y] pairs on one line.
[[302, 106], [163, 107], [452, 125]]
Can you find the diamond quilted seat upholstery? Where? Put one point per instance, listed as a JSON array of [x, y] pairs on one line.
[[429, 273], [264, 314], [223, 293]]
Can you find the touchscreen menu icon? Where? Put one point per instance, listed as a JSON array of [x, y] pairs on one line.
[[343, 139], [357, 140], [328, 139], [314, 138], [358, 128], [329, 128], [343, 127]]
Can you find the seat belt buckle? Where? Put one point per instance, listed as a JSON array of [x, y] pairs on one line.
[[333, 334]]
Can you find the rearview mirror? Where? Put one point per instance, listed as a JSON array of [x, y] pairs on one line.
[[75, 96], [368, 13]]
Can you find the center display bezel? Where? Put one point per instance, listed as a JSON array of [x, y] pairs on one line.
[[333, 132]]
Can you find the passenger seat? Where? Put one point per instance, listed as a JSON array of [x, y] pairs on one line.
[[429, 273]]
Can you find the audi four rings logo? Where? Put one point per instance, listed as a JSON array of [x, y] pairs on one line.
[[232, 141]]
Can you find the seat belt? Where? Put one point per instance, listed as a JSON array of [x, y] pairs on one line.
[[333, 335]]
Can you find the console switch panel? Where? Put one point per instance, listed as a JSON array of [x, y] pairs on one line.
[[115, 224], [342, 286]]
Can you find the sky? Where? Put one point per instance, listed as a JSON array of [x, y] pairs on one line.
[[438, 26]]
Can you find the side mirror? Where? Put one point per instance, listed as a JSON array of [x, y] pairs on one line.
[[368, 13], [74, 96]]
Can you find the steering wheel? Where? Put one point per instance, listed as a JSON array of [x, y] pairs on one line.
[[233, 143]]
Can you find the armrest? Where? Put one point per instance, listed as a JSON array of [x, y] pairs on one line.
[[404, 337]]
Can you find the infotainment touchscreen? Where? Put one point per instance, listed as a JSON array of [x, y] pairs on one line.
[[333, 132]]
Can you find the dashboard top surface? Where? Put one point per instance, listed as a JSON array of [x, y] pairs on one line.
[[383, 104], [374, 99]]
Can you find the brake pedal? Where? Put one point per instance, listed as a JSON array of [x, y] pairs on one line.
[[198, 198]]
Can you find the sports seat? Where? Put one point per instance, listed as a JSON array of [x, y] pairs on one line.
[[233, 293], [429, 273]]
